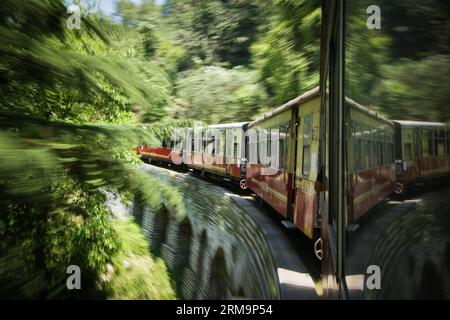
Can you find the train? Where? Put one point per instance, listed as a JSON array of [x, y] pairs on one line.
[[383, 157]]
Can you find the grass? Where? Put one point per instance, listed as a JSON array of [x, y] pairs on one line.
[[136, 273]]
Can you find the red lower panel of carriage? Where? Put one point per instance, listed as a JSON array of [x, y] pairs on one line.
[[158, 153], [370, 187], [272, 186]]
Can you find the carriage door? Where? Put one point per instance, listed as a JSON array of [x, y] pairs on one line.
[[306, 171], [417, 150]]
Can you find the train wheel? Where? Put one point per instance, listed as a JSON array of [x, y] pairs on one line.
[[318, 248], [243, 184], [399, 188]]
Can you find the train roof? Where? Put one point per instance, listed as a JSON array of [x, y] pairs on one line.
[[288, 105], [420, 124], [366, 110], [308, 96], [228, 125], [233, 125]]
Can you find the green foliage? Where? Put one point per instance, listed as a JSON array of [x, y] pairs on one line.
[[287, 55], [64, 74], [53, 201], [387, 70], [69, 102], [163, 130], [216, 30], [137, 275], [407, 86], [215, 94]]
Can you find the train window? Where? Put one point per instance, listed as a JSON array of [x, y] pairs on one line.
[[258, 147], [307, 131], [367, 154], [263, 145], [283, 145], [391, 153], [360, 163], [212, 146], [388, 148], [372, 153], [224, 142], [448, 141], [203, 144], [380, 147], [368, 161], [376, 154], [379, 137], [374, 147], [385, 153], [360, 148], [416, 143], [252, 146], [216, 148], [414, 146], [431, 149], [268, 148], [407, 151], [387, 158], [440, 143], [379, 152], [425, 144], [355, 145]]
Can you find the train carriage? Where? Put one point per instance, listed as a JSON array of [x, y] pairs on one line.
[[288, 187], [160, 155], [381, 155], [423, 151], [370, 159], [218, 151]]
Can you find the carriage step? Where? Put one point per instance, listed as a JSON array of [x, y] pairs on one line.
[[352, 227], [288, 224]]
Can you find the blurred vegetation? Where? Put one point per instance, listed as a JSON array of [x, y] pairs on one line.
[[207, 92], [135, 274], [288, 52], [402, 69], [70, 103]]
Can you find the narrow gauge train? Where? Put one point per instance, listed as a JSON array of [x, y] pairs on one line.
[[158, 155], [423, 151], [382, 156], [291, 191], [217, 151]]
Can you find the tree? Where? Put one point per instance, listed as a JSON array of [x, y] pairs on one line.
[[216, 30], [287, 55], [69, 100], [402, 69], [216, 94]]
